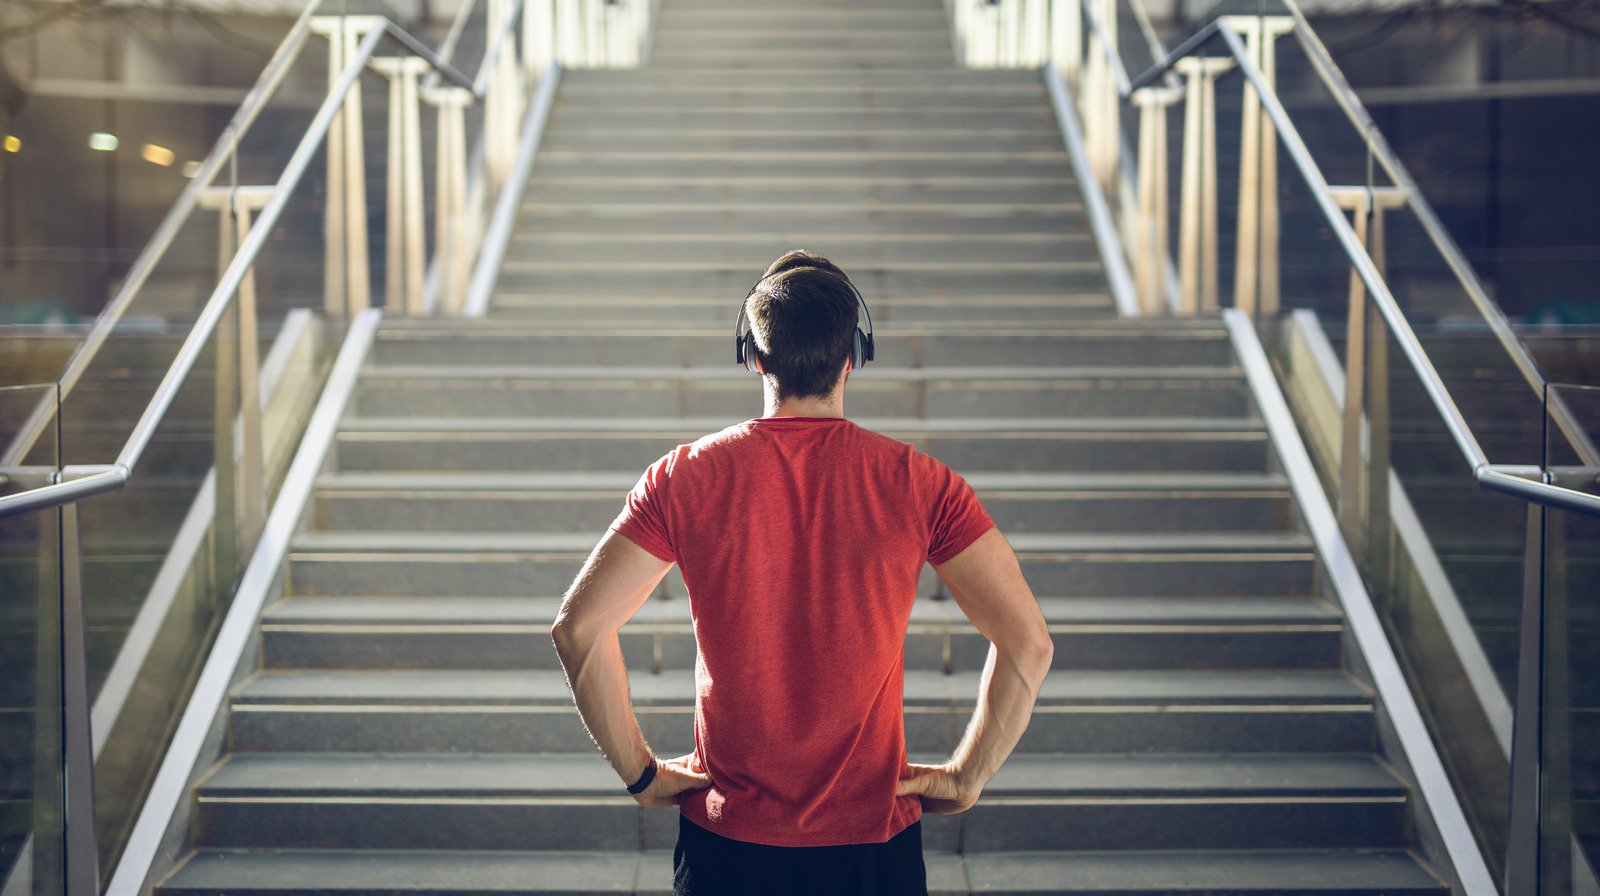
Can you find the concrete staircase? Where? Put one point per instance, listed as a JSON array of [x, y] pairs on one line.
[[408, 727]]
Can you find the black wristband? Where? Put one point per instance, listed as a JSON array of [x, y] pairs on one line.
[[645, 778]]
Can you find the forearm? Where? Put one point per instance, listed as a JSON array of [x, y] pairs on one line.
[[598, 678], [1007, 691]]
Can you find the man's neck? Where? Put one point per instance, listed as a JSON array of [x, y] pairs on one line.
[[811, 406]]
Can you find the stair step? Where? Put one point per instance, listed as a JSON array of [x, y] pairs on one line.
[[630, 345], [539, 248], [569, 801], [285, 872], [1019, 502], [1138, 711], [1128, 445], [1212, 872], [603, 391]]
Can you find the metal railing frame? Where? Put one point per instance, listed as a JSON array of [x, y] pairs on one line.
[[248, 216], [1101, 83]]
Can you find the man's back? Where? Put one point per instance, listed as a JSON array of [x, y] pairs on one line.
[[801, 540]]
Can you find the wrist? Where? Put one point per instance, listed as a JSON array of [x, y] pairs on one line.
[[646, 776]]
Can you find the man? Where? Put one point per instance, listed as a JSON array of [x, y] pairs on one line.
[[800, 537]]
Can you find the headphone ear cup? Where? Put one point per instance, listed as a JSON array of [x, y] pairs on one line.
[[749, 352], [858, 353]]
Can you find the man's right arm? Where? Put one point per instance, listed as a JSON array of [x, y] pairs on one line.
[[986, 582]]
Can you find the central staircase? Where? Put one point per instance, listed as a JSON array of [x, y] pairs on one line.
[[407, 727]]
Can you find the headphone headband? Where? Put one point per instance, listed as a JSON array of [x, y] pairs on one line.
[[862, 346]]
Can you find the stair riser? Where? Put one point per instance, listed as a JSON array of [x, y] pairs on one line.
[[1045, 192], [620, 824], [1101, 575], [670, 731], [528, 647], [796, 227], [1090, 304], [1180, 825], [775, 117], [1061, 279], [780, 168], [1227, 452], [535, 249], [738, 399], [671, 82], [715, 349], [568, 511], [617, 138], [929, 36]]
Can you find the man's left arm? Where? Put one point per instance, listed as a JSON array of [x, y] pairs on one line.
[[614, 583]]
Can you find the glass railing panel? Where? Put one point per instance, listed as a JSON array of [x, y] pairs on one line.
[[31, 812], [1570, 842]]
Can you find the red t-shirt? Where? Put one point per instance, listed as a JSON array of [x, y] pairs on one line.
[[801, 540]]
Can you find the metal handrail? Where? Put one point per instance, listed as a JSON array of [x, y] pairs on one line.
[[1343, 94], [1501, 478], [267, 84], [93, 480]]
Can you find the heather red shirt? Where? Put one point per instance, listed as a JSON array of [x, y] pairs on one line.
[[801, 540]]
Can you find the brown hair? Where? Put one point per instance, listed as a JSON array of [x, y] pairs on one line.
[[803, 314]]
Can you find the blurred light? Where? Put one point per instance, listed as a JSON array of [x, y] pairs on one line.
[[190, 169], [158, 155], [102, 141], [13, 143]]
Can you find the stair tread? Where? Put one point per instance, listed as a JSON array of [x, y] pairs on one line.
[[587, 775], [445, 612], [1201, 871], [505, 481], [533, 872], [408, 870], [437, 373], [430, 542], [922, 686], [701, 425]]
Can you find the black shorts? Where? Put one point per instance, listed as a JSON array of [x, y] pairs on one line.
[[708, 864]]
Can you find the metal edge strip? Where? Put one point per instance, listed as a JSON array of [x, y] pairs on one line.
[[1094, 202], [1360, 615], [171, 783], [493, 251]]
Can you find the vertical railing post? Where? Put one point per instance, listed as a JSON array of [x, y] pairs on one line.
[[1100, 102], [346, 284], [1066, 39], [1197, 215], [252, 462], [1351, 466], [333, 229], [450, 202], [1364, 459], [1256, 269], [1152, 251], [48, 859], [404, 250], [240, 465], [83, 851], [1034, 32], [225, 547], [1524, 834]]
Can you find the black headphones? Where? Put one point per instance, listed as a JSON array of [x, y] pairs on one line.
[[744, 341]]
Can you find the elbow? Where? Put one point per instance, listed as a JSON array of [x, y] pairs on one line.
[[564, 633], [1037, 657]]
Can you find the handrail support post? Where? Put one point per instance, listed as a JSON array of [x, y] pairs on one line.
[[404, 253], [1197, 213], [1256, 285], [1152, 251], [346, 282]]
